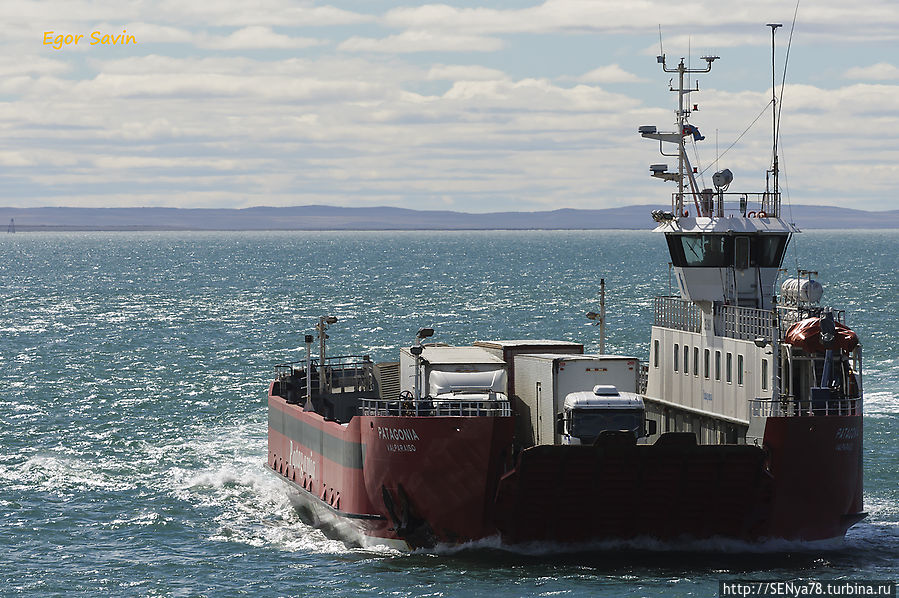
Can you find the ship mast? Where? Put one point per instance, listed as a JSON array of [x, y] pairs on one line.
[[774, 169], [683, 163]]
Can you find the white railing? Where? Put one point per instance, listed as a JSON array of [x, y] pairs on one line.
[[793, 408], [743, 322], [435, 408], [731, 321], [677, 313]]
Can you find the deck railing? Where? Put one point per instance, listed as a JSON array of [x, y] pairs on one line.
[[435, 408], [731, 321], [790, 314], [743, 322], [793, 408], [342, 373], [677, 313], [729, 204]]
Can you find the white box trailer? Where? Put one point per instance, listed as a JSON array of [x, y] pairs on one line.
[[508, 350], [542, 382], [453, 360]]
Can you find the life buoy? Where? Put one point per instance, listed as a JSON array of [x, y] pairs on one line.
[[762, 214], [750, 215]]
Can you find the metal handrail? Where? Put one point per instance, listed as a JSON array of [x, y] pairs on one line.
[[353, 372], [721, 204], [745, 323], [428, 407], [677, 313], [789, 407]]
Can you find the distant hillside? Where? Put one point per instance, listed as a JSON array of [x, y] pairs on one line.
[[385, 218]]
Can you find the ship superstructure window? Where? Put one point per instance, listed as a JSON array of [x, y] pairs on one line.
[[705, 364], [717, 365], [655, 353], [740, 370], [686, 360], [700, 251], [729, 368], [676, 356], [718, 250], [764, 374], [695, 361], [768, 251]]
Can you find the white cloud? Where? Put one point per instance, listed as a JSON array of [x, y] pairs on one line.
[[151, 33], [422, 41], [719, 20], [256, 37], [238, 13], [467, 72], [882, 71], [31, 65], [13, 159], [611, 73]]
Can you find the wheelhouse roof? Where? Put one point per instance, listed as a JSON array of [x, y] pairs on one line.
[[726, 225]]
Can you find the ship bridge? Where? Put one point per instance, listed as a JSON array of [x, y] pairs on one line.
[[732, 259]]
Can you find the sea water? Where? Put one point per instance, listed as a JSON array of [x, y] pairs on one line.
[[134, 370]]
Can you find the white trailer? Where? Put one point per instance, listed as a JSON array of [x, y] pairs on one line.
[[447, 370], [543, 381]]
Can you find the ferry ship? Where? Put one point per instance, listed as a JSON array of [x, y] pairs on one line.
[[744, 423]]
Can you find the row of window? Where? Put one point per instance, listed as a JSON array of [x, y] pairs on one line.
[[706, 370]]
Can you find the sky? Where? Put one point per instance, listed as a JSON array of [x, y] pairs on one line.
[[477, 107]]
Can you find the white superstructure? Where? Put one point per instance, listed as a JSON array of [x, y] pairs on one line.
[[712, 349]]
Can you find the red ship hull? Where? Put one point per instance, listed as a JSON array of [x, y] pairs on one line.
[[419, 481], [804, 485], [816, 463], [404, 481]]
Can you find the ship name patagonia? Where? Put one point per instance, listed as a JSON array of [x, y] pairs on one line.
[[401, 434], [304, 463]]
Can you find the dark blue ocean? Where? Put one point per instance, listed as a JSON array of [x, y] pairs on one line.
[[134, 369]]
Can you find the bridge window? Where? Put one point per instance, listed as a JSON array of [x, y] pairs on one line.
[[717, 365], [725, 251], [730, 362], [740, 370], [768, 251], [676, 356], [655, 353], [764, 374], [701, 251], [686, 360]]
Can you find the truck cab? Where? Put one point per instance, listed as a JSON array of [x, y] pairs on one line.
[[585, 415]]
